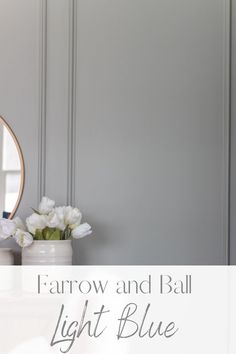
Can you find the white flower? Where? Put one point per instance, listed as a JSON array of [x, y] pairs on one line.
[[23, 238], [64, 216], [7, 228], [36, 222], [56, 219], [19, 223], [46, 206], [82, 231], [72, 216]]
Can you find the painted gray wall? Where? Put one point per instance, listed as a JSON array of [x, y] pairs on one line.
[[19, 83], [126, 105]]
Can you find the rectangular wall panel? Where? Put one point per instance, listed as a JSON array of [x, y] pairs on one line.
[[57, 99], [152, 130]]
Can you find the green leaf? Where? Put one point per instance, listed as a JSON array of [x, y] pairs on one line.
[[66, 233], [55, 235], [35, 211], [38, 235], [48, 234]]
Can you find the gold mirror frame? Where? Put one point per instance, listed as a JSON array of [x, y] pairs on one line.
[[22, 164]]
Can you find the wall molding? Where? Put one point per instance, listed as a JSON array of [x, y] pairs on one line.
[[226, 131], [71, 139], [71, 125], [42, 99]]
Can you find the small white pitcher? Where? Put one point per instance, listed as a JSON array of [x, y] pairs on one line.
[[6, 256]]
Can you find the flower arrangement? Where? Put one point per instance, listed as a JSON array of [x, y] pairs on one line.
[[46, 223]]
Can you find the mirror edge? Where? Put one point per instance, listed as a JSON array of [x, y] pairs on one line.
[[22, 163]]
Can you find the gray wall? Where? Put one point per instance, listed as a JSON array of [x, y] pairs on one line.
[[122, 108]]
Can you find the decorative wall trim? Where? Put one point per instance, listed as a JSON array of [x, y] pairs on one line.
[[72, 101], [232, 239], [226, 130], [42, 98]]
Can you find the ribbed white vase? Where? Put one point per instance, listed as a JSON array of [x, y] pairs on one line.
[[48, 253]]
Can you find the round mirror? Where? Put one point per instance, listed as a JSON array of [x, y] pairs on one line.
[[12, 171]]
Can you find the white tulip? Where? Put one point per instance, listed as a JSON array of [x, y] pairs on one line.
[[72, 216], [19, 223], [56, 219], [36, 222], [23, 238], [7, 228], [46, 206], [82, 231]]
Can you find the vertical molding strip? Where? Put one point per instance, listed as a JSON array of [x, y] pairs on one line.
[[72, 102], [42, 99], [226, 128], [229, 127]]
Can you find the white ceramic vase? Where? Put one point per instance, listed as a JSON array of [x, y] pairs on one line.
[[6, 256], [48, 253]]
